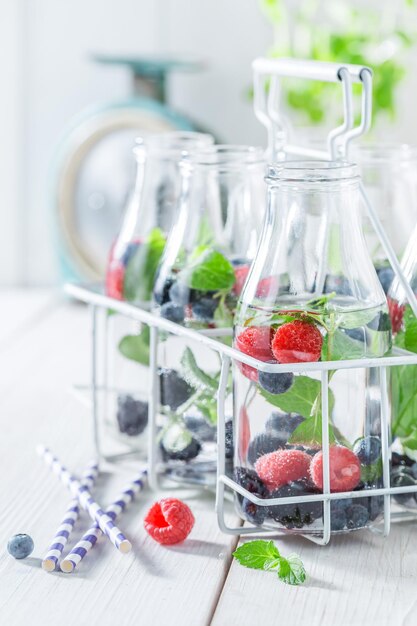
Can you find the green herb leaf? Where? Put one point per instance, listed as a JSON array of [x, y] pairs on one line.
[[136, 347], [309, 432], [291, 570], [338, 346], [300, 397], [410, 335], [141, 269], [209, 271], [194, 375], [256, 554], [370, 473], [207, 404], [356, 319], [176, 438], [223, 316], [410, 442]]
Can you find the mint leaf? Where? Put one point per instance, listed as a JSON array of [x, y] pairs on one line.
[[194, 375], [207, 405], [370, 473], [176, 438], [223, 317], [141, 269], [338, 346], [291, 570], [410, 442], [208, 271], [300, 397], [256, 554], [356, 319], [410, 335], [309, 432], [261, 554], [136, 347]]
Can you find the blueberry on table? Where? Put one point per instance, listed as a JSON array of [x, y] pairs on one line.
[[357, 516], [132, 415], [368, 449], [204, 309], [275, 383], [174, 390], [20, 546], [253, 513], [162, 297], [172, 312], [386, 276], [264, 443]]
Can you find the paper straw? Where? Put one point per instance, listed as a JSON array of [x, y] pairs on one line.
[[50, 560], [89, 539], [86, 500]]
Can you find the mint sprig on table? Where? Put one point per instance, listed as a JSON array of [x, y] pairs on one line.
[[264, 555]]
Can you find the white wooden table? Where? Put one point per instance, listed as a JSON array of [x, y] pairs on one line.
[[44, 347]]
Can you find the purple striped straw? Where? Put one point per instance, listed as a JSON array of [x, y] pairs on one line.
[[50, 560], [89, 539], [86, 500]]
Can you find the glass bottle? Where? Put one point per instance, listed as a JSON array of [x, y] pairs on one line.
[[403, 380], [312, 294], [389, 173], [204, 266], [133, 261]]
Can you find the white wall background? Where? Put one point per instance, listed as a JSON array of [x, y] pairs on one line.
[[47, 78]]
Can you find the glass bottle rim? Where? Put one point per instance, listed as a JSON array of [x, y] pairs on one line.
[[226, 157], [312, 172], [171, 144], [372, 153]]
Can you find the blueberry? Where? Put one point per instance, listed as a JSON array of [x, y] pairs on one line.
[[204, 309], [263, 444], [178, 444], [172, 312], [132, 415], [373, 504], [130, 251], [401, 460], [357, 516], [200, 428], [381, 322], [358, 334], [340, 505], [386, 276], [253, 513], [162, 297], [337, 284], [368, 450], [20, 546], [250, 481], [413, 469], [228, 439], [338, 519], [239, 261], [276, 383], [180, 294], [283, 424], [174, 390], [403, 480]]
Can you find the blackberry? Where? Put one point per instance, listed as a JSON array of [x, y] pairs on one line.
[[204, 309], [178, 444], [386, 276], [276, 383], [172, 312], [174, 390], [228, 439], [357, 516], [338, 520], [253, 513], [263, 444], [250, 481], [200, 428], [162, 297], [368, 450], [132, 415], [283, 425], [298, 514], [381, 322]]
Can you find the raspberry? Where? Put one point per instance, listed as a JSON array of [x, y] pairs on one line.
[[396, 313], [169, 521], [345, 469], [114, 281], [281, 467], [297, 342], [254, 341], [241, 274]]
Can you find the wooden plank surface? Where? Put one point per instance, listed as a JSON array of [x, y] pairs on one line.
[[153, 584]]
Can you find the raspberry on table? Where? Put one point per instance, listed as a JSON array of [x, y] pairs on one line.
[[345, 469], [297, 342], [281, 467], [169, 521], [254, 341]]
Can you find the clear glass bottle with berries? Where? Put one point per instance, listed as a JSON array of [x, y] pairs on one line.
[[133, 261], [403, 381], [389, 173], [203, 269], [312, 295]]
